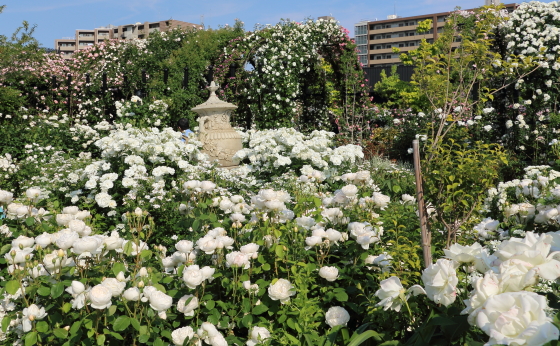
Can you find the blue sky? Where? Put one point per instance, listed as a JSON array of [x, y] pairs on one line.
[[60, 18]]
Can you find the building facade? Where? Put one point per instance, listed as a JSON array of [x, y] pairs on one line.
[[381, 36], [84, 38]]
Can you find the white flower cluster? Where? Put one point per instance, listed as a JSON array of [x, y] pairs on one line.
[[8, 165], [270, 150]]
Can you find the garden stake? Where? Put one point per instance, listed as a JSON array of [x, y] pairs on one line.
[[426, 235]]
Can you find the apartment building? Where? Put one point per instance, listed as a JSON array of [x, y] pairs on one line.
[[376, 39], [84, 38]]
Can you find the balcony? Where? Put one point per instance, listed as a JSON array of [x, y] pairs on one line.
[[402, 39]]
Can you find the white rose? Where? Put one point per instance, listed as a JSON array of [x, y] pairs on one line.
[[66, 239], [238, 259], [87, 244], [132, 294], [43, 240], [463, 253], [115, 286], [328, 273], [207, 186], [517, 318], [113, 242], [281, 290], [250, 249], [179, 335], [187, 309], [257, 336], [30, 314], [440, 280], [350, 191], [23, 242], [160, 301], [337, 316], [100, 297], [192, 276], [33, 194], [184, 246]]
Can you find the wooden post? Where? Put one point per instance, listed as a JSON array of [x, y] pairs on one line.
[[422, 214]]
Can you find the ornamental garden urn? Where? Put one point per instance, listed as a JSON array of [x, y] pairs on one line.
[[220, 140]]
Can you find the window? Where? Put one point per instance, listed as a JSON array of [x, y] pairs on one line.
[[377, 47], [140, 36], [125, 29], [388, 26], [377, 27], [401, 35], [401, 44], [379, 57], [141, 27], [388, 46], [115, 31], [155, 25], [401, 24], [378, 37], [412, 44]]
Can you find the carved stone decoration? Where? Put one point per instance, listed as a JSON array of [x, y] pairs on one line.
[[220, 141]]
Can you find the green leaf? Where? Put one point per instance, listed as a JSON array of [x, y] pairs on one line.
[[57, 289], [144, 338], [101, 339], [135, 324], [279, 250], [146, 254], [396, 189], [75, 327], [121, 323], [360, 338], [60, 333], [266, 267], [5, 249], [341, 296], [259, 309], [6, 323], [118, 267], [30, 221], [12, 286], [196, 225], [31, 339], [247, 321], [44, 291], [66, 307], [42, 326], [212, 217], [159, 342]]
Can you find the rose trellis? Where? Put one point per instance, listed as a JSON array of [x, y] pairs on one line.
[[284, 79]]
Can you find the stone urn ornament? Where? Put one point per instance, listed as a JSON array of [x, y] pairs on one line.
[[220, 140]]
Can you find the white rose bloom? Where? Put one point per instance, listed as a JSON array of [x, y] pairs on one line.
[[281, 290], [517, 318], [77, 226], [440, 280], [23, 242], [192, 276], [66, 238], [132, 294], [328, 273], [43, 240], [207, 273], [30, 314], [115, 286], [337, 316], [113, 242], [250, 249], [189, 308], [207, 244], [350, 191], [160, 301], [392, 293], [100, 297], [184, 246], [257, 336], [312, 241], [207, 186], [463, 253], [238, 259], [33, 194], [333, 235], [179, 335], [87, 244]]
